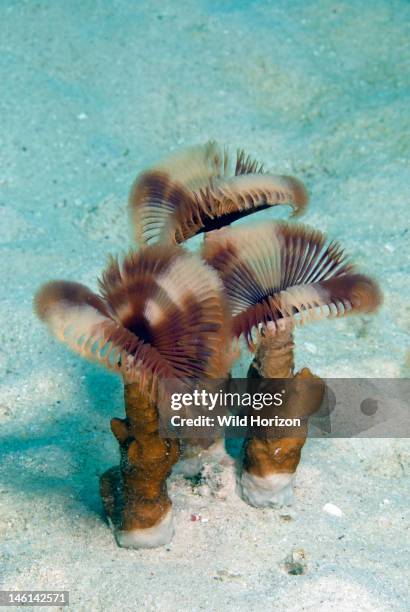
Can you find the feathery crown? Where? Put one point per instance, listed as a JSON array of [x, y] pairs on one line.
[[277, 272], [195, 191]]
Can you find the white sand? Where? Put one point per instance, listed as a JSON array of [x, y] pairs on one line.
[[90, 93]]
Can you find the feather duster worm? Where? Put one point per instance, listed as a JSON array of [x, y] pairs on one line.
[[275, 276], [160, 315], [196, 191]]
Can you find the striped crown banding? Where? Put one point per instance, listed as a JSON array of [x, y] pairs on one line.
[[161, 314], [276, 273], [195, 191]]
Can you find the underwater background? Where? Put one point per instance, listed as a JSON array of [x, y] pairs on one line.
[[91, 93]]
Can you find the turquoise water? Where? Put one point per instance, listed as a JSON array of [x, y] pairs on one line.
[[91, 93]]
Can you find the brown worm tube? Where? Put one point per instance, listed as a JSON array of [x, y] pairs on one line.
[[269, 463], [274, 355], [135, 494]]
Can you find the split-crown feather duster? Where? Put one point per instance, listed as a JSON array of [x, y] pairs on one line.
[[161, 314], [199, 190], [277, 273]]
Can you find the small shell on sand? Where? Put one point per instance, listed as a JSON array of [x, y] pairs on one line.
[[332, 509]]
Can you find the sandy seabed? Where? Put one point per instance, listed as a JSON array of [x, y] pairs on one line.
[[91, 92]]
